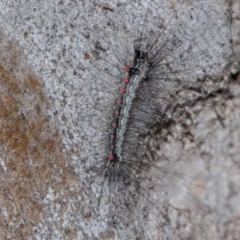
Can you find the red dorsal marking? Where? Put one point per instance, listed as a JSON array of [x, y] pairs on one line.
[[122, 90], [127, 68], [110, 157], [116, 113], [114, 124], [126, 79], [119, 100]]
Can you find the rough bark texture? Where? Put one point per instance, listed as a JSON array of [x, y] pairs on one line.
[[50, 122]]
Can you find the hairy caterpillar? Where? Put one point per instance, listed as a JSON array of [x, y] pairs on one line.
[[79, 126], [155, 62]]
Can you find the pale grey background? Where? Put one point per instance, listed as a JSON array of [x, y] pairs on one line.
[[56, 37]]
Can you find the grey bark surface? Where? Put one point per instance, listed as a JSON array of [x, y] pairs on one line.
[[61, 42]]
